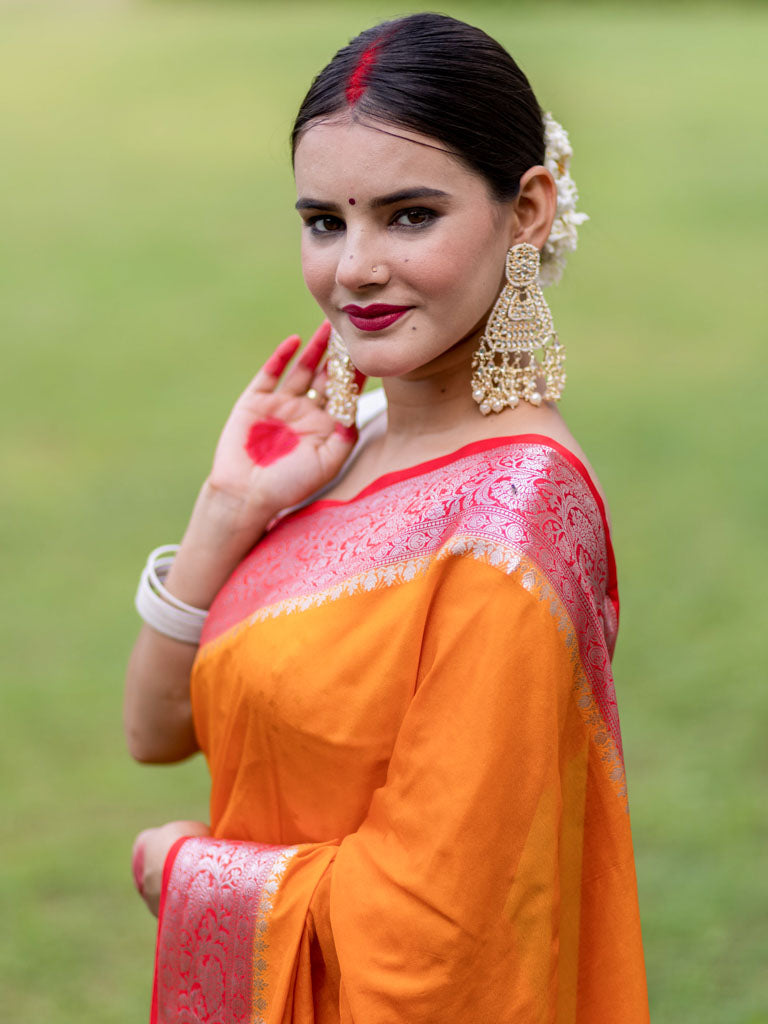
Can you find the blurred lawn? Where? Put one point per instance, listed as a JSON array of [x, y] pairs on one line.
[[149, 261]]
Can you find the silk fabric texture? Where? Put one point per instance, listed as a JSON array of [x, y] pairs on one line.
[[418, 799]]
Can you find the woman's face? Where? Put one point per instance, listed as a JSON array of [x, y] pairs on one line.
[[391, 219]]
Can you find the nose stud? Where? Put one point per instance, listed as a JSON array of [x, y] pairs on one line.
[[374, 270]]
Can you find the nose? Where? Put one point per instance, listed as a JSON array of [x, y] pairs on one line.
[[362, 262]]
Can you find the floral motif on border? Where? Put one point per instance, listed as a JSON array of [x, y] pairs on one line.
[[522, 496], [213, 945], [536, 583]]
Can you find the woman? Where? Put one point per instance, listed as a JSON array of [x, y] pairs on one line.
[[403, 686]]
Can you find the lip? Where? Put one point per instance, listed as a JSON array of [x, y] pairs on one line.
[[375, 317]]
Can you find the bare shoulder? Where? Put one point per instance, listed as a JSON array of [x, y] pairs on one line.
[[545, 420], [558, 430], [373, 457]]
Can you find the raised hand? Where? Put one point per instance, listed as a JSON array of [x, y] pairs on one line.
[[279, 445]]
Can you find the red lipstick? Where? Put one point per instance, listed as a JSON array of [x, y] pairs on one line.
[[375, 317]]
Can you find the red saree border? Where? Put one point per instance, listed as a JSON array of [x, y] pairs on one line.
[[488, 444], [213, 933], [170, 860], [522, 499], [526, 494]]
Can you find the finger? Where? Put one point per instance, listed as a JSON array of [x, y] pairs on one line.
[[188, 829], [347, 435], [318, 387], [335, 450], [137, 863], [272, 370], [301, 374], [316, 347], [282, 355]]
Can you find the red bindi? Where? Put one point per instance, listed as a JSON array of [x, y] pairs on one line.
[[269, 440], [351, 202]]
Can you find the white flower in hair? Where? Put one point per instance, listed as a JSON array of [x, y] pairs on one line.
[[564, 234]]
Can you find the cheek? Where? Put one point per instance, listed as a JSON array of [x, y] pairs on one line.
[[433, 272], [319, 271], [459, 274]]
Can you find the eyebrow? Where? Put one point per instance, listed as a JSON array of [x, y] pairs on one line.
[[379, 201]]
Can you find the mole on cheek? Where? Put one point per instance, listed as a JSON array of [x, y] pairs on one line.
[[269, 440]]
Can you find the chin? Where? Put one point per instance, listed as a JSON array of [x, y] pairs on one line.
[[395, 356], [379, 357], [386, 365]]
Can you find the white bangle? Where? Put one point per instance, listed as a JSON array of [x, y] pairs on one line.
[[159, 608]]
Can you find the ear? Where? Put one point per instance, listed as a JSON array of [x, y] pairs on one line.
[[535, 206]]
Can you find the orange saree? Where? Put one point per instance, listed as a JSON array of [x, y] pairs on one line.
[[418, 800]]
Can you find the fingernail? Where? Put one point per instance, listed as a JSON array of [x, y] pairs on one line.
[[313, 353], [323, 331], [137, 867], [282, 355], [347, 433]]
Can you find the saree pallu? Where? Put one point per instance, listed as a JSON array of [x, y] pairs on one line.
[[418, 799]]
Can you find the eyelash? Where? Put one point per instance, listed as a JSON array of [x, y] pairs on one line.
[[430, 215]]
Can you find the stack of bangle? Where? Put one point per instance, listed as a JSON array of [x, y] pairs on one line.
[[159, 608]]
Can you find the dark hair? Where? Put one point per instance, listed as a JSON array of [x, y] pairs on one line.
[[442, 78]]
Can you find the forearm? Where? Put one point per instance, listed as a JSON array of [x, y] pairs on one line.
[[235, 506], [157, 714], [157, 709]]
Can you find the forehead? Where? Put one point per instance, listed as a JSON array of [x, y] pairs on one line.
[[343, 156]]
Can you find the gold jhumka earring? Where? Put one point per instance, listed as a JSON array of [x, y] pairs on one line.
[[519, 348], [341, 389]]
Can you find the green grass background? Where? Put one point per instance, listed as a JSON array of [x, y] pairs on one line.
[[148, 262]]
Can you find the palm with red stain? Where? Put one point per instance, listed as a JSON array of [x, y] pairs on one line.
[[278, 446]]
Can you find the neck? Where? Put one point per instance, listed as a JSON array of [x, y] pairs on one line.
[[431, 412], [435, 400]]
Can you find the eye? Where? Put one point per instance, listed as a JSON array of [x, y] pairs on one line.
[[324, 224], [414, 217]]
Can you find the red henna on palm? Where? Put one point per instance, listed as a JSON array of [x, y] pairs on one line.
[[269, 440], [282, 355]]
